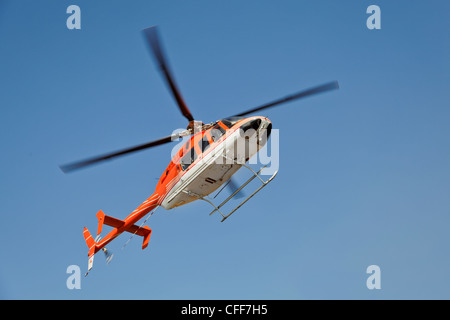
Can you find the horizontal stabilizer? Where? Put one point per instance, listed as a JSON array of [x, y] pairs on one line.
[[117, 223]]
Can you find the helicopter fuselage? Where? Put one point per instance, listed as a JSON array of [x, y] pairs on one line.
[[209, 159]]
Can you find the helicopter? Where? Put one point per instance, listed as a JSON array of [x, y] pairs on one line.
[[209, 158]]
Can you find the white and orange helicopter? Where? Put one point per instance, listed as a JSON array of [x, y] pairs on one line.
[[207, 161]]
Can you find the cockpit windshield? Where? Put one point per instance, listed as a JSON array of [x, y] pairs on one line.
[[231, 121]]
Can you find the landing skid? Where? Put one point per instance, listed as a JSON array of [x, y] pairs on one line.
[[254, 175]]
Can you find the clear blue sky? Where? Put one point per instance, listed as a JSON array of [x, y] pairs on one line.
[[364, 171]]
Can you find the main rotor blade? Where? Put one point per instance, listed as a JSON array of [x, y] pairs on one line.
[[151, 35], [233, 187], [81, 164], [302, 94]]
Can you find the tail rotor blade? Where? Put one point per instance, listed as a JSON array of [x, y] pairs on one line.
[[233, 187]]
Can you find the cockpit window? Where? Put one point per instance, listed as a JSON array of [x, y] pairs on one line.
[[188, 159], [231, 121], [216, 132]]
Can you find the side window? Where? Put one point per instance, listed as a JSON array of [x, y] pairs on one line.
[[203, 143], [216, 132], [188, 159]]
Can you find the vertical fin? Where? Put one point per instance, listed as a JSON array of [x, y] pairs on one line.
[[101, 220], [147, 234], [90, 242]]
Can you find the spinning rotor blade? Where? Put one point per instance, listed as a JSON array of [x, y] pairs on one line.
[[151, 35], [302, 94], [233, 187], [81, 164]]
